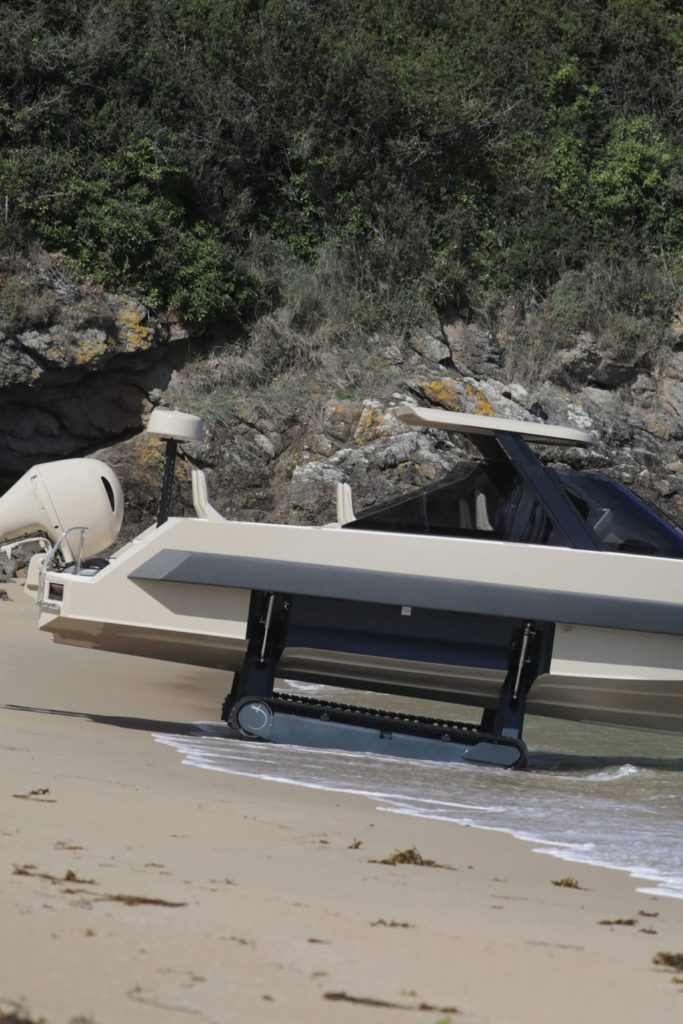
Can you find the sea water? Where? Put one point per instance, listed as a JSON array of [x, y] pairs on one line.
[[594, 795]]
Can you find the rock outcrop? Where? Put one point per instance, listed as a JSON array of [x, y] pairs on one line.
[[283, 463], [87, 375], [86, 380]]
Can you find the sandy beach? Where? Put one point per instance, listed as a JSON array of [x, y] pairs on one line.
[[136, 888]]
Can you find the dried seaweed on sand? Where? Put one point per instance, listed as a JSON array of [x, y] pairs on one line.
[[674, 961], [410, 856]]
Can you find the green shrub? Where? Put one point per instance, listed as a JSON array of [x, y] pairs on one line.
[[628, 181], [440, 152]]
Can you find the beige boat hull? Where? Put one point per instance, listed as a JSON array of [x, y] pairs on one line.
[[603, 675]]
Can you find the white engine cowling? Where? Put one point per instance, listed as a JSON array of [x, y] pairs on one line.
[[55, 496]]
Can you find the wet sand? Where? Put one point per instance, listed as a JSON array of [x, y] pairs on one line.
[[138, 889]]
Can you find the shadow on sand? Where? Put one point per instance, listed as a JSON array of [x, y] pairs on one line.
[[120, 721]]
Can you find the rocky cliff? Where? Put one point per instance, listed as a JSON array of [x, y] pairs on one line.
[[85, 379], [286, 465], [79, 367]]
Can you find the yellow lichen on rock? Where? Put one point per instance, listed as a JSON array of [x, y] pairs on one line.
[[442, 390], [373, 423], [482, 406], [134, 332], [67, 349], [150, 454], [87, 350]]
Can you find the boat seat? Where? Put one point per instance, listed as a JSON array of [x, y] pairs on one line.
[[200, 498], [345, 513], [464, 515], [481, 512]]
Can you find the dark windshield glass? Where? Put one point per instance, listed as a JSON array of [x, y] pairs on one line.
[[475, 499], [488, 500], [620, 520]]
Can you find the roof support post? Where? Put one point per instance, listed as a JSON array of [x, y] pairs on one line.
[[542, 481]]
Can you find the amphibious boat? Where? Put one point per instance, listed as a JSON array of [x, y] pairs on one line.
[[507, 586]]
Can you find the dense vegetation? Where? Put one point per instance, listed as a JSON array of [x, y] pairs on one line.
[[409, 153]]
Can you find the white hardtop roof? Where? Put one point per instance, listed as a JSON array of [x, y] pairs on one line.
[[489, 426]]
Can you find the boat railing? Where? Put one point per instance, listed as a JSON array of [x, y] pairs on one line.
[[48, 561]]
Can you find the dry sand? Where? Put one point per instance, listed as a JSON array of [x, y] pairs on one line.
[[282, 907]]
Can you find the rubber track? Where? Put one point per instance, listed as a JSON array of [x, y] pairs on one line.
[[387, 721]]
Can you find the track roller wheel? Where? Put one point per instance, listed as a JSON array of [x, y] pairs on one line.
[[251, 718]]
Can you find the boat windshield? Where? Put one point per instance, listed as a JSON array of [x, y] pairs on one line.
[[489, 501], [474, 500], [620, 520]]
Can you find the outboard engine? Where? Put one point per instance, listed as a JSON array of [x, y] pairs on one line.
[[56, 497]]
